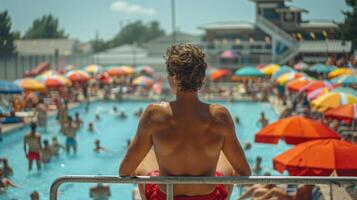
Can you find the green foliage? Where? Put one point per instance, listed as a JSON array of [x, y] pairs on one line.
[[7, 47], [45, 27], [137, 32], [348, 29], [98, 44]]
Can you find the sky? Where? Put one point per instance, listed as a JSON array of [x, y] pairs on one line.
[[81, 19]]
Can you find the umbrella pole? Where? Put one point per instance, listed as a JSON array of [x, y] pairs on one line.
[[331, 193]]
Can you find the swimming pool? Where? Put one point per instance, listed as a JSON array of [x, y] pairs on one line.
[[113, 134]]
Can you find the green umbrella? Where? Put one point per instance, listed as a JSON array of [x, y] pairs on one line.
[[249, 71], [321, 68], [345, 80]]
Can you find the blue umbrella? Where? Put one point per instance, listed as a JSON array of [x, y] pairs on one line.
[[345, 80], [346, 90], [321, 68], [284, 69], [7, 87], [249, 71]]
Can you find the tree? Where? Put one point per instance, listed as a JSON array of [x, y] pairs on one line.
[[45, 27], [137, 32], [98, 44], [7, 47], [348, 29]]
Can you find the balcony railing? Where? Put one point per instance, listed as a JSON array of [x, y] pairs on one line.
[[170, 181]]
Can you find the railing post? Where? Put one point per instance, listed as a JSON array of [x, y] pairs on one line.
[[170, 191], [331, 192]]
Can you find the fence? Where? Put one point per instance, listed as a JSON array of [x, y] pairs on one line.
[[169, 181], [13, 68]]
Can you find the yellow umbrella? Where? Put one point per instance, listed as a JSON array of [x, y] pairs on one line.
[[127, 69], [270, 69], [31, 85], [340, 71], [332, 100], [94, 69], [284, 78]]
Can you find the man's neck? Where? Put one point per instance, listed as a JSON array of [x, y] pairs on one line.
[[187, 97]]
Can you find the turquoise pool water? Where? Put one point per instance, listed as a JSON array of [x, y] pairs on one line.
[[113, 134]]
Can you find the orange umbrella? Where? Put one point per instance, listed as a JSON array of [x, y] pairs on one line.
[[78, 75], [294, 130], [346, 112], [319, 158], [315, 85], [297, 84], [220, 73], [116, 71]]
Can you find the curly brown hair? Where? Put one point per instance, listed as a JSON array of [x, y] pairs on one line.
[[187, 63]]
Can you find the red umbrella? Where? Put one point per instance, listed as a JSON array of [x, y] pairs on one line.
[[294, 130], [297, 84], [346, 112], [315, 85], [319, 158]]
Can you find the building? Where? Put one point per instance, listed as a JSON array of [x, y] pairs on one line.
[[279, 34]]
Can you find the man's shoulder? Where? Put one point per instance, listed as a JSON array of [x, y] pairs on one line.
[[157, 112], [219, 113]]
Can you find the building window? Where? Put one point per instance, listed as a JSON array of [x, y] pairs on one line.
[[271, 14], [289, 17]]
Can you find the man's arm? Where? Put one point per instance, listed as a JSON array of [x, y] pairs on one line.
[[25, 147], [231, 146], [139, 146]]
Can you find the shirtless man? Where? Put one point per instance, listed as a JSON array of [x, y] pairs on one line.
[[98, 148], [100, 192], [262, 121], [55, 146], [190, 138], [33, 141], [46, 152], [78, 120], [70, 131]]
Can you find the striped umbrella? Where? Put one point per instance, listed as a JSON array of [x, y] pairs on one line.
[[318, 92], [315, 85], [78, 75], [116, 71], [93, 68], [270, 69], [30, 84], [345, 80], [301, 66], [143, 81], [340, 71], [346, 90], [332, 100], [281, 71], [127, 69], [54, 81], [145, 69], [288, 77]]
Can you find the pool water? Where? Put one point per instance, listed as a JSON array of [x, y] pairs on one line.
[[113, 133]]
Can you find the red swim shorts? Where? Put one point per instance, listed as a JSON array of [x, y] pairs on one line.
[[152, 191], [33, 156]]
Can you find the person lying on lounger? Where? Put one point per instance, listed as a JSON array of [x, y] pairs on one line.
[[190, 138]]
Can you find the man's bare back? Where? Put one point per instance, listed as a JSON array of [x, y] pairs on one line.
[[187, 140]]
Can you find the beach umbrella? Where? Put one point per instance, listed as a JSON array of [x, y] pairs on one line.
[[294, 130], [30, 84], [93, 69], [55, 81], [319, 158], [282, 70], [332, 100], [270, 69], [7, 87], [288, 77], [340, 71], [345, 80], [321, 68], [143, 81], [346, 90], [104, 78], [145, 69], [318, 92], [220, 73], [49, 73], [248, 71], [78, 75], [297, 84], [229, 54], [116, 71], [260, 66], [301, 66], [127, 69], [315, 85], [346, 112]]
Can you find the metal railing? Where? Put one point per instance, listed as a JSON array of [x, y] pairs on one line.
[[169, 181]]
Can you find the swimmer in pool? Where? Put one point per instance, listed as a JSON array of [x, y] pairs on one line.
[[55, 146], [122, 115], [139, 112], [115, 109], [237, 120], [32, 140], [100, 192], [5, 183], [91, 128], [263, 121], [35, 195], [97, 117], [46, 152], [247, 146], [98, 148], [78, 120], [5, 169], [70, 131], [257, 165]]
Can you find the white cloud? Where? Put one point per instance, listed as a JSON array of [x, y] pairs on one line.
[[132, 9]]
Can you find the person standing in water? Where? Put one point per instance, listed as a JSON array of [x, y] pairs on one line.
[[32, 140], [70, 131], [263, 121], [41, 110]]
